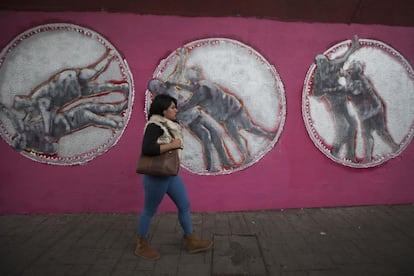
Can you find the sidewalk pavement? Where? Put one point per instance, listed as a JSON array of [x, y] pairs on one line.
[[366, 240]]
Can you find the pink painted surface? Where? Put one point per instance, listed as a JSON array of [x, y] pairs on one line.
[[294, 174]]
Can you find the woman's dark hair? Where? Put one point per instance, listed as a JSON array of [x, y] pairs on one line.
[[160, 103]]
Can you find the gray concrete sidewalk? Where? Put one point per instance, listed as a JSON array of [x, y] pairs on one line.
[[369, 240]]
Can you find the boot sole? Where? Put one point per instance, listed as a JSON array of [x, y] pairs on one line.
[[146, 258], [200, 249]]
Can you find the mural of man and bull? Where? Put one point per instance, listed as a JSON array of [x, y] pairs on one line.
[[357, 103], [69, 100], [211, 111], [41, 118]]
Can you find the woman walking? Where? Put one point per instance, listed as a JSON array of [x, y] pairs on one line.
[[163, 133]]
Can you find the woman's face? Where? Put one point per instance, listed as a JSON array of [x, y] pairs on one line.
[[171, 112]]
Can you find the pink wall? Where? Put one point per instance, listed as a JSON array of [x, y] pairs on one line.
[[294, 174]]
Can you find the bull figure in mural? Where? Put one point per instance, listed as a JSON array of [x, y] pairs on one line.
[[208, 101], [65, 104], [356, 90]]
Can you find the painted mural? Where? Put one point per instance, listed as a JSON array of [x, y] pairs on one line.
[[358, 102], [65, 94], [231, 103]]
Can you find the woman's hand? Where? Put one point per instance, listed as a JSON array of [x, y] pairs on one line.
[[175, 144]]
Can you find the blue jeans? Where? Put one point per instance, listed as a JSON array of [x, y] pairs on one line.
[[155, 187]]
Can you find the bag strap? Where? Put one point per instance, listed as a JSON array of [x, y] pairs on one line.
[[166, 127], [172, 135]]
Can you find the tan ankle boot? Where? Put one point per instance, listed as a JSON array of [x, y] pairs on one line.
[[144, 250], [194, 244]]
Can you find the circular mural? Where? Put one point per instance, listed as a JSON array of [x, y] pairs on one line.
[[65, 94], [358, 103], [231, 103]]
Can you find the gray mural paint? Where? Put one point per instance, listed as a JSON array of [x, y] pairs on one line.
[[230, 100], [66, 94], [358, 103]]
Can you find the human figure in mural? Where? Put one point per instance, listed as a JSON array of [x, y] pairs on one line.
[[51, 111], [369, 108], [87, 114], [326, 84], [33, 136]]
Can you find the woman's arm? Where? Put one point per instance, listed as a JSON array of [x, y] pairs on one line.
[[175, 144], [149, 143]]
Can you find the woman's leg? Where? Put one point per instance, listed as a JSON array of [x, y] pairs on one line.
[[178, 193], [154, 191]]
